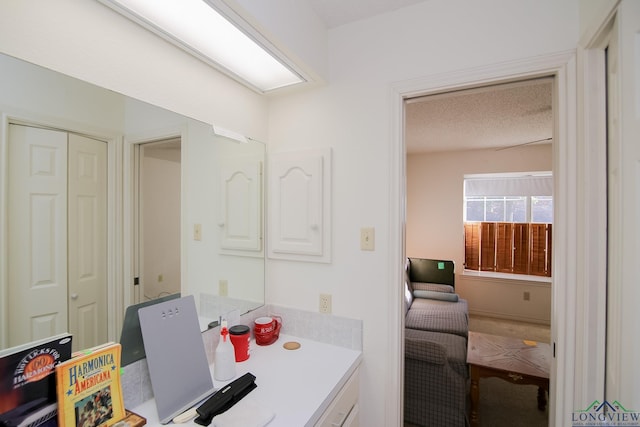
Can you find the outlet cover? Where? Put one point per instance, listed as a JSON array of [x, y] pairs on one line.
[[223, 288], [325, 303]]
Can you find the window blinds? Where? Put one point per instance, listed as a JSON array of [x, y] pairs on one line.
[[509, 186]]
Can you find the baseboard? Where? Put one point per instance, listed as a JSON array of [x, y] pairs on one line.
[[509, 317]]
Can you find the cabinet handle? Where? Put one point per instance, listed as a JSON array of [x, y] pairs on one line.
[[515, 377], [339, 423], [74, 296]]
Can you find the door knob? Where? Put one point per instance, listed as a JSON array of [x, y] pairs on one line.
[[74, 296]]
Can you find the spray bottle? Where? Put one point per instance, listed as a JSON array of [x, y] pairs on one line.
[[224, 360]]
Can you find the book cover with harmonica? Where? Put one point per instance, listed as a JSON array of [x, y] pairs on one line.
[[27, 381], [90, 389]]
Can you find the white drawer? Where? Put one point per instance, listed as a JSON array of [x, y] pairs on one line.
[[341, 411]]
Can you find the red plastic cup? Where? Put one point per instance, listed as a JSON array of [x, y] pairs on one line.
[[240, 337]]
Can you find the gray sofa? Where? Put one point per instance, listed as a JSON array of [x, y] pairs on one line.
[[436, 330]]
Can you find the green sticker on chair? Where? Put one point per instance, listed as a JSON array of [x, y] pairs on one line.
[[440, 265]]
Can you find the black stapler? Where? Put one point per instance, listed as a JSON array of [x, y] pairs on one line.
[[225, 398]]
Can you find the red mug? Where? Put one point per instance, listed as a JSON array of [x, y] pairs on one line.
[[267, 329]]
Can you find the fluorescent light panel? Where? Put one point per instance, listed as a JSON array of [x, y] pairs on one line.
[[200, 28]]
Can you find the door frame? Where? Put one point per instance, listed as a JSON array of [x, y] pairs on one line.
[[618, 286], [130, 250], [114, 261], [591, 317], [561, 66]]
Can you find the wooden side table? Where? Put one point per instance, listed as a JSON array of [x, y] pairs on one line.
[[515, 360]]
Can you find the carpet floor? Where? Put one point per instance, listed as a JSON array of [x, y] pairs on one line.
[[503, 404]]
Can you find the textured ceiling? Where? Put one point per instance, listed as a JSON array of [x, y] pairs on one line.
[[493, 117]]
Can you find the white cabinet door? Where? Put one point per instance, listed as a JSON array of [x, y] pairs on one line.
[[241, 206], [353, 420], [343, 410], [299, 192]]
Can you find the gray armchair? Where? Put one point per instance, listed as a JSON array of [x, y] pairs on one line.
[[436, 330], [436, 379]]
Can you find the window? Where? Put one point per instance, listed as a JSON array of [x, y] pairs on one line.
[[508, 223]]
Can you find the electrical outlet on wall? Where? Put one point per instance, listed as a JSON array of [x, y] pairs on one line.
[[223, 288], [325, 303]]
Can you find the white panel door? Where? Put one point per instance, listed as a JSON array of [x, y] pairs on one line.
[[37, 233], [87, 263], [57, 236]]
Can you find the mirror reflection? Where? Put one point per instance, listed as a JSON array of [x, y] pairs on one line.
[[110, 201]]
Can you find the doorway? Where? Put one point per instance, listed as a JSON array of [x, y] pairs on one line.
[[503, 131], [562, 67], [57, 239], [158, 199]]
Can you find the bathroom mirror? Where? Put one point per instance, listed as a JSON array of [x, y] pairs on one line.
[[183, 210]]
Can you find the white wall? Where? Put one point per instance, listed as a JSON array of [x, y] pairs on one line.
[[435, 184], [161, 219], [353, 115], [34, 91], [435, 218], [592, 13]]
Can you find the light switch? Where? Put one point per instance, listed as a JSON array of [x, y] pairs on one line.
[[367, 239], [223, 288], [197, 231]]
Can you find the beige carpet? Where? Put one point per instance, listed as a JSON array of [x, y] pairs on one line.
[[509, 328], [503, 404]]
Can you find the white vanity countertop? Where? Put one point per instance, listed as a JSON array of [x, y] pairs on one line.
[[297, 385]]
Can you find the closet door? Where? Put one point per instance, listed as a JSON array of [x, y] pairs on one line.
[[87, 263], [57, 236], [37, 233]]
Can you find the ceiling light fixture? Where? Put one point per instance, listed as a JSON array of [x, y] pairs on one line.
[[199, 27]]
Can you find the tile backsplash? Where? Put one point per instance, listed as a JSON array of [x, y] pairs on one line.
[[325, 328]]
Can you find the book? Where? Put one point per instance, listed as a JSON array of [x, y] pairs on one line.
[[89, 388], [28, 382], [132, 419]]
